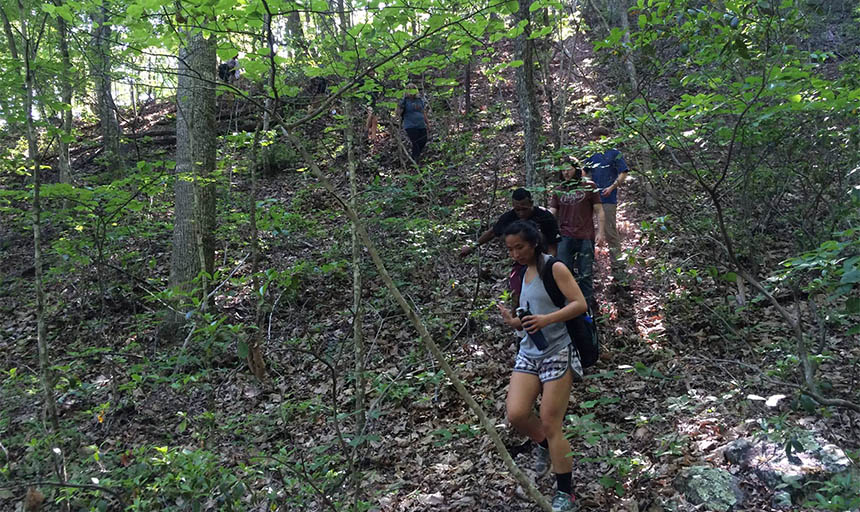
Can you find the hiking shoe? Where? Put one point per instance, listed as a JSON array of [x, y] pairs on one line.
[[564, 502], [542, 462]]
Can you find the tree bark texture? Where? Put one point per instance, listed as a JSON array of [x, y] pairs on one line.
[[33, 150], [194, 211], [11, 105], [526, 97], [622, 6], [358, 306], [101, 67], [66, 97], [467, 89]]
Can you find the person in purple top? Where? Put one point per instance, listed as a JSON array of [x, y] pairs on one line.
[[609, 171]]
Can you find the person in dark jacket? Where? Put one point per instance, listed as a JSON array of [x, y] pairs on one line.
[[413, 115]]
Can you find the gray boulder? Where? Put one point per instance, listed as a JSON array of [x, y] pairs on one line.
[[713, 488], [775, 468]]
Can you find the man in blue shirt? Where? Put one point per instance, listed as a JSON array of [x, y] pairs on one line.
[[609, 171]]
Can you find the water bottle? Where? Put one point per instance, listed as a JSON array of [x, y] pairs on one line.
[[537, 338]]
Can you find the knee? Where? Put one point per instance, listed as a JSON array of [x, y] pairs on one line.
[[551, 425], [518, 416]]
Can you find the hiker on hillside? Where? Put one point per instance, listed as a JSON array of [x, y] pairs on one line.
[[229, 71], [546, 363], [523, 209], [412, 112], [575, 203], [609, 171]]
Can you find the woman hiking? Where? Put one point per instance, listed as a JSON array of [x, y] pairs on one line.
[[546, 363], [412, 112]]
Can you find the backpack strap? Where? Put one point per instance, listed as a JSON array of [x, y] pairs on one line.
[[552, 289], [551, 286]]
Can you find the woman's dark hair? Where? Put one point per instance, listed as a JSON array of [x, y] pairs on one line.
[[528, 231]]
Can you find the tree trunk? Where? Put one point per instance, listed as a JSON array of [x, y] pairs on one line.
[[630, 66], [622, 6], [272, 95], [526, 97], [297, 35], [255, 360], [358, 306], [101, 68], [194, 211], [33, 150], [467, 89], [12, 103], [66, 115]]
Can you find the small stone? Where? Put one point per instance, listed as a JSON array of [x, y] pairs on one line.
[[781, 500], [738, 452]]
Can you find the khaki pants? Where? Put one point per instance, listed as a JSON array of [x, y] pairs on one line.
[[613, 239]]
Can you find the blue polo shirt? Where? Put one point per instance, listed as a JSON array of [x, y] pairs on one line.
[[604, 169]]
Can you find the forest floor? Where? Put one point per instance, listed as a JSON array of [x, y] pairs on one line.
[[671, 390]]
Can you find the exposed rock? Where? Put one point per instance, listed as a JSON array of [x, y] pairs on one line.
[[738, 452], [716, 489], [776, 468], [781, 500]]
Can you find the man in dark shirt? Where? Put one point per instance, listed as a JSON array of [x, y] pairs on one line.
[[523, 209]]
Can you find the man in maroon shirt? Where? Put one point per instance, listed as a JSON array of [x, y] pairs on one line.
[[575, 203]]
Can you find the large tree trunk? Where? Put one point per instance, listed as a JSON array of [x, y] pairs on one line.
[[194, 212], [297, 35], [10, 106], [526, 98], [645, 160], [624, 20], [101, 66]]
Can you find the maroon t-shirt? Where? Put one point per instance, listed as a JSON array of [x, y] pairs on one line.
[[576, 210]]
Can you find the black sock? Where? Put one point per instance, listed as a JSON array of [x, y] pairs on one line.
[[545, 444], [563, 480]]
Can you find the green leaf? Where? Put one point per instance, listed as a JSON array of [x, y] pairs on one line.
[[851, 277], [608, 482], [242, 349], [795, 98]]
